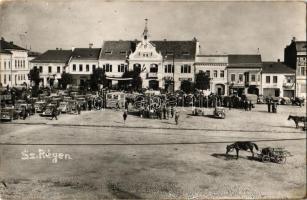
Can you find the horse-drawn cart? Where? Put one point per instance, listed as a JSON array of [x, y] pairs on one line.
[[277, 155]]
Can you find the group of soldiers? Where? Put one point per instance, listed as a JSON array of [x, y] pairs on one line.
[[162, 112]]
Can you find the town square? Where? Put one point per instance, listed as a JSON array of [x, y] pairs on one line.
[[151, 113]]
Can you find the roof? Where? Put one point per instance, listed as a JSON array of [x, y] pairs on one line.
[[243, 61], [182, 49], [33, 54], [301, 46], [86, 53], [119, 50], [4, 45], [5, 51], [53, 56], [276, 68]]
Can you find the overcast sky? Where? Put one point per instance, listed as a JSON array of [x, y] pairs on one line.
[[221, 27]]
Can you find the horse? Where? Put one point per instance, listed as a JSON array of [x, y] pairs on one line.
[[297, 119], [245, 145]]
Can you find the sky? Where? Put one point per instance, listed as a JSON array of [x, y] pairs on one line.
[[220, 27]]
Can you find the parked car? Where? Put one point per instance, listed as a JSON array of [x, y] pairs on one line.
[[48, 110], [285, 101], [261, 99], [82, 102], [8, 114], [39, 106], [65, 107]]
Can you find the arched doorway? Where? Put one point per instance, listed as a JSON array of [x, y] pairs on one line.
[[253, 90], [220, 89], [153, 68], [153, 84]]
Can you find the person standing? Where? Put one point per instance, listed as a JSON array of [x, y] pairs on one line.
[[164, 112], [177, 118], [245, 105], [172, 111], [54, 113], [24, 113], [125, 115], [269, 105], [78, 108], [250, 105]]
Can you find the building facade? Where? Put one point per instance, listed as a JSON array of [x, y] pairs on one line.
[[278, 80], [215, 66], [82, 63], [244, 74], [14, 66], [51, 65], [295, 56], [162, 64]]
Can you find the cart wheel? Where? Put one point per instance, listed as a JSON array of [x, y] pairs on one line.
[[266, 158]]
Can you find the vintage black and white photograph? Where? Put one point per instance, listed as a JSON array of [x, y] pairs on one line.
[[152, 99]]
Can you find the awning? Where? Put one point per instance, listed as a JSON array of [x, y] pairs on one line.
[[119, 78]]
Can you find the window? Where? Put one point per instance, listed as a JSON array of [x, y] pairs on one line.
[[253, 79], [49, 69], [63, 69], [267, 79], [9, 77], [122, 68], [107, 67], [153, 68], [240, 77], [185, 68], [215, 73], [233, 77], [4, 64], [24, 63], [87, 68], [108, 52], [80, 67], [74, 67], [303, 70], [274, 79], [169, 68], [208, 73], [4, 79], [123, 52], [15, 63], [222, 73], [9, 64], [40, 69], [58, 69], [93, 67]]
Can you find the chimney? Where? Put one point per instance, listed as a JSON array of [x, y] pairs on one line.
[[90, 45], [278, 60]]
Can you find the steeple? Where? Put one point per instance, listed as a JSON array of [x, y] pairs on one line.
[[145, 33]]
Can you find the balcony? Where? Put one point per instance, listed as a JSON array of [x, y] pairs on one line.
[[153, 75]]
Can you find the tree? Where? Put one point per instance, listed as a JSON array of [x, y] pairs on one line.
[[66, 79], [202, 81], [35, 78], [187, 86], [136, 82], [97, 77]]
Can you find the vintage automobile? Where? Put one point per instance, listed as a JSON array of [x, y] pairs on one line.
[[115, 100], [48, 110], [65, 107], [82, 102], [20, 106], [285, 101], [39, 106], [219, 112], [8, 114]]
